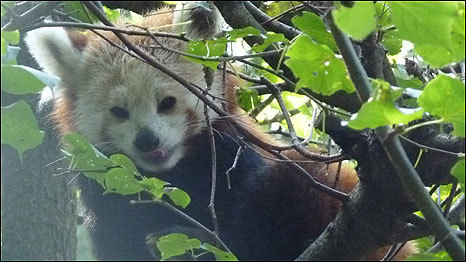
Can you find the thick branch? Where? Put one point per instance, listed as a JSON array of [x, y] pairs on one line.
[[397, 154]]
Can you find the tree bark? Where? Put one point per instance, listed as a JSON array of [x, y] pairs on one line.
[[38, 209]]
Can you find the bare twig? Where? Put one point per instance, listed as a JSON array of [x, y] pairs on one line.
[[209, 75], [36, 12], [456, 212], [337, 176], [311, 125], [233, 166], [431, 148], [449, 199], [106, 28], [393, 251]]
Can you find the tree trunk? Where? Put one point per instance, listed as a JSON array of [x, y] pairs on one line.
[[38, 209]]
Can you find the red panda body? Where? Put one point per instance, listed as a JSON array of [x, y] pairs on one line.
[[271, 212]]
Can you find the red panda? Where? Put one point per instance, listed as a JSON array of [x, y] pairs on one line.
[[123, 105]]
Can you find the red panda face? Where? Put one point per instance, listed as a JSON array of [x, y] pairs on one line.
[[139, 111], [121, 104]]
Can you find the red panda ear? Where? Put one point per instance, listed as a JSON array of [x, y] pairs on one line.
[[205, 19], [57, 51]]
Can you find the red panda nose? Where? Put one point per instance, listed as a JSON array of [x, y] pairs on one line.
[[146, 141]]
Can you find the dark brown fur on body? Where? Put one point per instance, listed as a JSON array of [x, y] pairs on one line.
[[270, 213]]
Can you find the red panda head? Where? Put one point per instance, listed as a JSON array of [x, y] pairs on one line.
[[121, 104]]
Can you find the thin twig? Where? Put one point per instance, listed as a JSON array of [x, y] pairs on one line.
[[393, 251], [311, 125], [337, 176], [233, 166], [183, 215], [449, 199], [294, 8], [280, 131], [209, 78], [36, 12], [294, 139], [106, 28], [433, 122], [261, 106], [279, 117], [431, 148], [456, 212]]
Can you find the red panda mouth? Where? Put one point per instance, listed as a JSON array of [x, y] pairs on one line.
[[157, 156]]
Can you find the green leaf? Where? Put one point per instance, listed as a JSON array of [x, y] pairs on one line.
[[286, 99], [304, 109], [176, 244], [86, 158], [384, 18], [220, 255], [154, 186], [457, 34], [392, 42], [444, 97], [4, 46], [19, 127], [432, 38], [208, 48], [317, 67], [311, 24], [440, 256], [121, 181], [243, 32], [273, 8], [458, 172], [379, 110], [357, 21], [17, 79], [404, 80], [9, 37], [112, 15], [247, 98], [78, 11], [178, 196], [126, 163], [269, 39]]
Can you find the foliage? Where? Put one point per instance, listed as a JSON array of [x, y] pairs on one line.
[[177, 244], [314, 60], [357, 21], [317, 67], [19, 127]]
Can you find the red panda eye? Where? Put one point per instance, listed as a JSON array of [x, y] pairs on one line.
[[119, 112], [167, 103]]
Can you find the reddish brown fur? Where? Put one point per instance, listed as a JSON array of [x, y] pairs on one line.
[[61, 113]]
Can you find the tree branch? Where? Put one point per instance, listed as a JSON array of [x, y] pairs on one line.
[[397, 155]]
